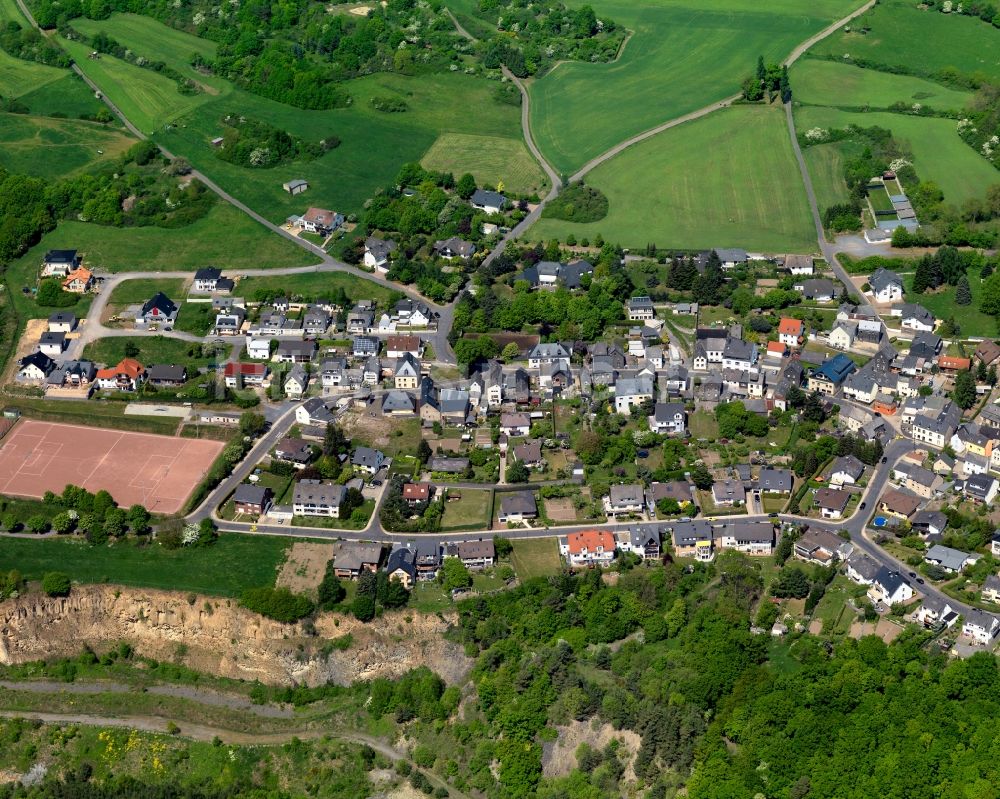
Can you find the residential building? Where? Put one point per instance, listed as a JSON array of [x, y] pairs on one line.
[[398, 403], [544, 354], [515, 424], [490, 202], [252, 500], [625, 500], [517, 506], [640, 309], [364, 346], [416, 492], [799, 264], [951, 560], [862, 568], [206, 279], [843, 334], [229, 322], [406, 373], [157, 310], [402, 566], [832, 502], [52, 344], [693, 538], [980, 626], [367, 460], [982, 488], [775, 481], [530, 454], [791, 331], [846, 470], [899, 504], [353, 558], [73, 374], [237, 375], [479, 554], [79, 281], [35, 367], [886, 286], [677, 490], [731, 257], [378, 252], [914, 317], [296, 382], [126, 375], [259, 349], [929, 523], [822, 547], [314, 412], [163, 375], [316, 498], [632, 391], [59, 263], [934, 611], [749, 537], [669, 418], [454, 247], [827, 378], [62, 322], [991, 589], [729, 493], [588, 548], [320, 221], [889, 588], [817, 290], [641, 541], [398, 346], [296, 451]]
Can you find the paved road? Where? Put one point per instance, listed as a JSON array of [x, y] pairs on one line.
[[829, 252]]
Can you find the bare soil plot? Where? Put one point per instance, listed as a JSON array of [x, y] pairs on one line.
[[560, 510], [158, 472], [304, 567], [33, 329], [559, 756]]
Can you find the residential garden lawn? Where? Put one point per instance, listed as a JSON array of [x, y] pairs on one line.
[[774, 503], [939, 155], [373, 145], [337, 524], [148, 99], [490, 159], [92, 414], [224, 237], [709, 508], [56, 148], [20, 77], [471, 512], [234, 563], [941, 303], [68, 96], [152, 349], [195, 317], [899, 35], [681, 56], [843, 85], [428, 597], [702, 424], [832, 609], [729, 179], [315, 284], [535, 557], [132, 291]]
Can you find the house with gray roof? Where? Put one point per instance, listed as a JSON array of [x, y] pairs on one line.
[[886, 286], [316, 498], [517, 506], [775, 481], [367, 460]]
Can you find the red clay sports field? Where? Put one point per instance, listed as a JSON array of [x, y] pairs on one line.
[[158, 472]]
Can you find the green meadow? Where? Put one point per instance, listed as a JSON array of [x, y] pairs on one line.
[[224, 237], [374, 144], [18, 77], [726, 180], [903, 34], [67, 96], [681, 56], [816, 82], [490, 159], [56, 148], [147, 98], [939, 154]]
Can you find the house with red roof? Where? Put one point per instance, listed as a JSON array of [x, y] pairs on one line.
[[588, 548], [127, 375], [791, 331]]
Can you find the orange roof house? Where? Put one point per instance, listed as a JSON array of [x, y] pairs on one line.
[[790, 331], [954, 363], [776, 349], [79, 280], [125, 375], [416, 492], [589, 548]]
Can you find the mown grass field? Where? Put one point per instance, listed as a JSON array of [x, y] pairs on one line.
[[224, 237], [373, 146], [939, 154], [148, 99], [825, 163], [816, 82], [20, 77], [682, 56], [489, 159], [924, 40], [92, 414], [941, 303], [312, 284], [152, 349], [57, 148], [535, 557], [471, 512], [133, 291], [234, 563], [726, 180], [68, 96], [154, 40]]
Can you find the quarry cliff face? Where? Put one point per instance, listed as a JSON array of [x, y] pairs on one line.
[[218, 637]]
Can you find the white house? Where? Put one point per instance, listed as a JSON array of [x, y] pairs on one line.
[[889, 588], [668, 418], [632, 391], [886, 286], [982, 627]]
